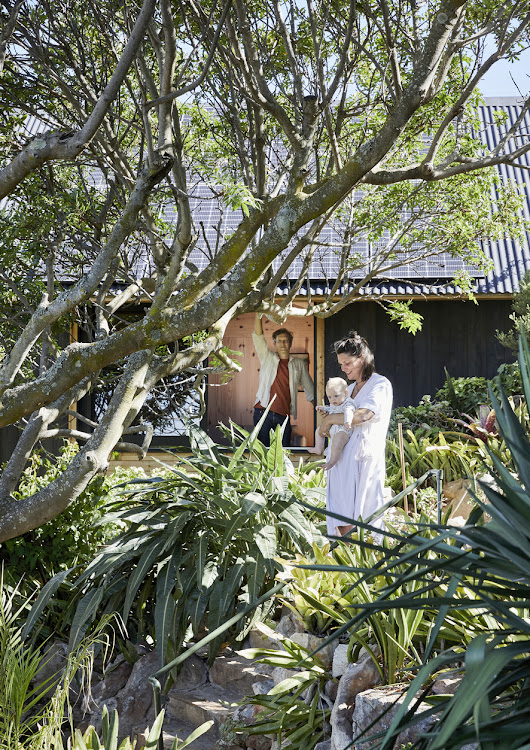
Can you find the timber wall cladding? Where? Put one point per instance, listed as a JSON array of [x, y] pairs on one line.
[[456, 334], [235, 400]]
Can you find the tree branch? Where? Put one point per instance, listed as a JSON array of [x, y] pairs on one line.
[[55, 145]]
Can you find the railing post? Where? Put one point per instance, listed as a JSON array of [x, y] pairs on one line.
[[439, 481]]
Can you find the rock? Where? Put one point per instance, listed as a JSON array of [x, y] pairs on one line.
[[311, 643], [275, 746], [340, 660], [458, 498], [258, 639], [114, 680], [133, 702], [262, 687], [259, 742], [324, 745], [236, 671], [330, 689], [446, 685], [290, 624], [280, 674], [371, 704], [181, 731], [358, 678], [51, 667], [193, 673], [205, 703]]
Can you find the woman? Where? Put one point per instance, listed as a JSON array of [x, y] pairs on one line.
[[355, 484]]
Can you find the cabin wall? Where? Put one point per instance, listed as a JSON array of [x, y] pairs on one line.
[[456, 334]]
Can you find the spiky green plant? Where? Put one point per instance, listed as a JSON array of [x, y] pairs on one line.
[[296, 710], [201, 544], [90, 740], [33, 708]]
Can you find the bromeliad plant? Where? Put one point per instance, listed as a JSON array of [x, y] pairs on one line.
[[330, 589], [200, 545]]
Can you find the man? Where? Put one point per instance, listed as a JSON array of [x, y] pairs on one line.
[[279, 378]]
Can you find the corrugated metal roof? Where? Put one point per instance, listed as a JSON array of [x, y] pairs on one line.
[[511, 258]]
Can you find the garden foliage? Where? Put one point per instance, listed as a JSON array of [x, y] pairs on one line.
[[480, 570], [200, 544], [297, 709]]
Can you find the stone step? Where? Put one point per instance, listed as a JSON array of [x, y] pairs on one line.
[[239, 673], [202, 704]]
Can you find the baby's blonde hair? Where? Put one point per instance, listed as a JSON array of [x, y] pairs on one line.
[[336, 384]]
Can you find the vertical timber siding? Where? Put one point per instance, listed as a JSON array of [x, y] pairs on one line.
[[458, 335]]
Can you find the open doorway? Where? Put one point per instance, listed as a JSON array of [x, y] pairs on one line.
[[235, 400]]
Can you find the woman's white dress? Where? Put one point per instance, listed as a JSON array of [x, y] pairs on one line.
[[355, 484]]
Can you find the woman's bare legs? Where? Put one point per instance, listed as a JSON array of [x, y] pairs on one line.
[[344, 529]]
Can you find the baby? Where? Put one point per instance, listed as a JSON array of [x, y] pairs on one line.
[[339, 402]]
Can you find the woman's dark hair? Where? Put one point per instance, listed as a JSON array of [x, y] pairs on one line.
[[356, 346]]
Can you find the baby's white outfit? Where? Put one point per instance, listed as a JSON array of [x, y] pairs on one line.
[[347, 408]]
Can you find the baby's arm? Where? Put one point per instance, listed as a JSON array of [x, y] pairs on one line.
[[322, 409], [348, 415]]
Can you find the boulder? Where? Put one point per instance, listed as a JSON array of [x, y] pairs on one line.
[[237, 672], [262, 687], [340, 660], [370, 707], [279, 674], [134, 701], [290, 624], [458, 498], [259, 742], [114, 679], [311, 643], [357, 678], [193, 673], [51, 667]]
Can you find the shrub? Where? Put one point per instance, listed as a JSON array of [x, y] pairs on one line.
[[428, 416], [73, 537], [464, 394]]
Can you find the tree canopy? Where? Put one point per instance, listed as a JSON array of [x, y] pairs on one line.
[[135, 135]]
